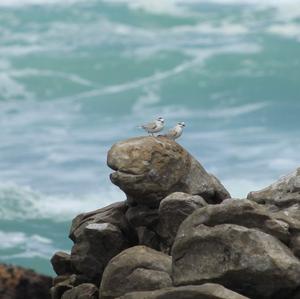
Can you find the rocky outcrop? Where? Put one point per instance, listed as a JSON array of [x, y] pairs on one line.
[[136, 269], [172, 211], [20, 283], [205, 291], [283, 195], [148, 169], [179, 235], [242, 259], [61, 263], [98, 236], [83, 291]]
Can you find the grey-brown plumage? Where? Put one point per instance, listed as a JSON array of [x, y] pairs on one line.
[[155, 126], [176, 132]]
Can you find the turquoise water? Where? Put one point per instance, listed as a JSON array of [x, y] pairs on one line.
[[79, 76]]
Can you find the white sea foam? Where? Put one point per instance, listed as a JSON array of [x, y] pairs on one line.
[[20, 3], [19, 202], [287, 30], [26, 246]]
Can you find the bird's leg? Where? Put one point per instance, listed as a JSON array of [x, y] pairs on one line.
[[152, 134]]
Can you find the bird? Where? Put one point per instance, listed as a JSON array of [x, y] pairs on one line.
[[175, 132], [154, 127]]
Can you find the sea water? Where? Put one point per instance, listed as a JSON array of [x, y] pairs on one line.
[[77, 76]]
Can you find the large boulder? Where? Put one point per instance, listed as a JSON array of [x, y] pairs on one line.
[[99, 236], [61, 263], [148, 169], [172, 211], [245, 260], [83, 291], [245, 213], [283, 195], [138, 268], [205, 291], [19, 283]]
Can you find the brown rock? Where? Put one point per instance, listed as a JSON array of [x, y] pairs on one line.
[[283, 195], [20, 283], [83, 291], [245, 260], [99, 236], [138, 268], [172, 211], [61, 263], [205, 291], [148, 169]]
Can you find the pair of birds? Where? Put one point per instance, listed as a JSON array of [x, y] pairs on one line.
[[158, 125]]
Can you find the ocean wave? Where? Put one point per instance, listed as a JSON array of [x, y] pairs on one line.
[[20, 3], [25, 245], [21, 202]]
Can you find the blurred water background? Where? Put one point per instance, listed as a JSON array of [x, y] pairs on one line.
[[77, 76]]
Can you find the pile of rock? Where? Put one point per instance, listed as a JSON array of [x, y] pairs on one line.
[[19, 283], [179, 235]]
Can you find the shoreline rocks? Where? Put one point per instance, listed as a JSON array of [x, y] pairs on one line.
[[20, 283], [180, 235], [148, 169]]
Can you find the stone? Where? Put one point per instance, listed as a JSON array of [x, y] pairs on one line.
[[247, 261], [60, 288], [20, 283], [83, 291], [172, 211], [241, 212], [147, 237], [283, 195], [98, 244], [141, 215], [148, 169], [61, 263], [98, 236], [137, 268], [205, 291], [295, 244], [114, 214]]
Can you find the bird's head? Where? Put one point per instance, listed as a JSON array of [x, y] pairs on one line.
[[160, 119], [181, 124]]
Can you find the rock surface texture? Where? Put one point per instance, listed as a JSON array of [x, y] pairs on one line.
[[205, 291], [283, 195], [136, 269], [148, 169], [178, 235], [20, 283]]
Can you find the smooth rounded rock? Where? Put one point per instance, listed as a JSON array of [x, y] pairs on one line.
[[172, 211], [247, 261], [137, 268], [205, 291], [148, 169], [83, 291]]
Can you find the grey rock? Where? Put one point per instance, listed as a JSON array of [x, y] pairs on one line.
[[141, 215], [83, 291], [241, 212], [283, 195], [172, 211], [61, 263], [59, 289], [114, 214], [205, 291], [295, 244], [138, 268], [148, 169], [147, 237], [245, 260], [98, 236], [97, 245]]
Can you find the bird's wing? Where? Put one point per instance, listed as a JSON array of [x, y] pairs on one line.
[[150, 126], [171, 133]]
